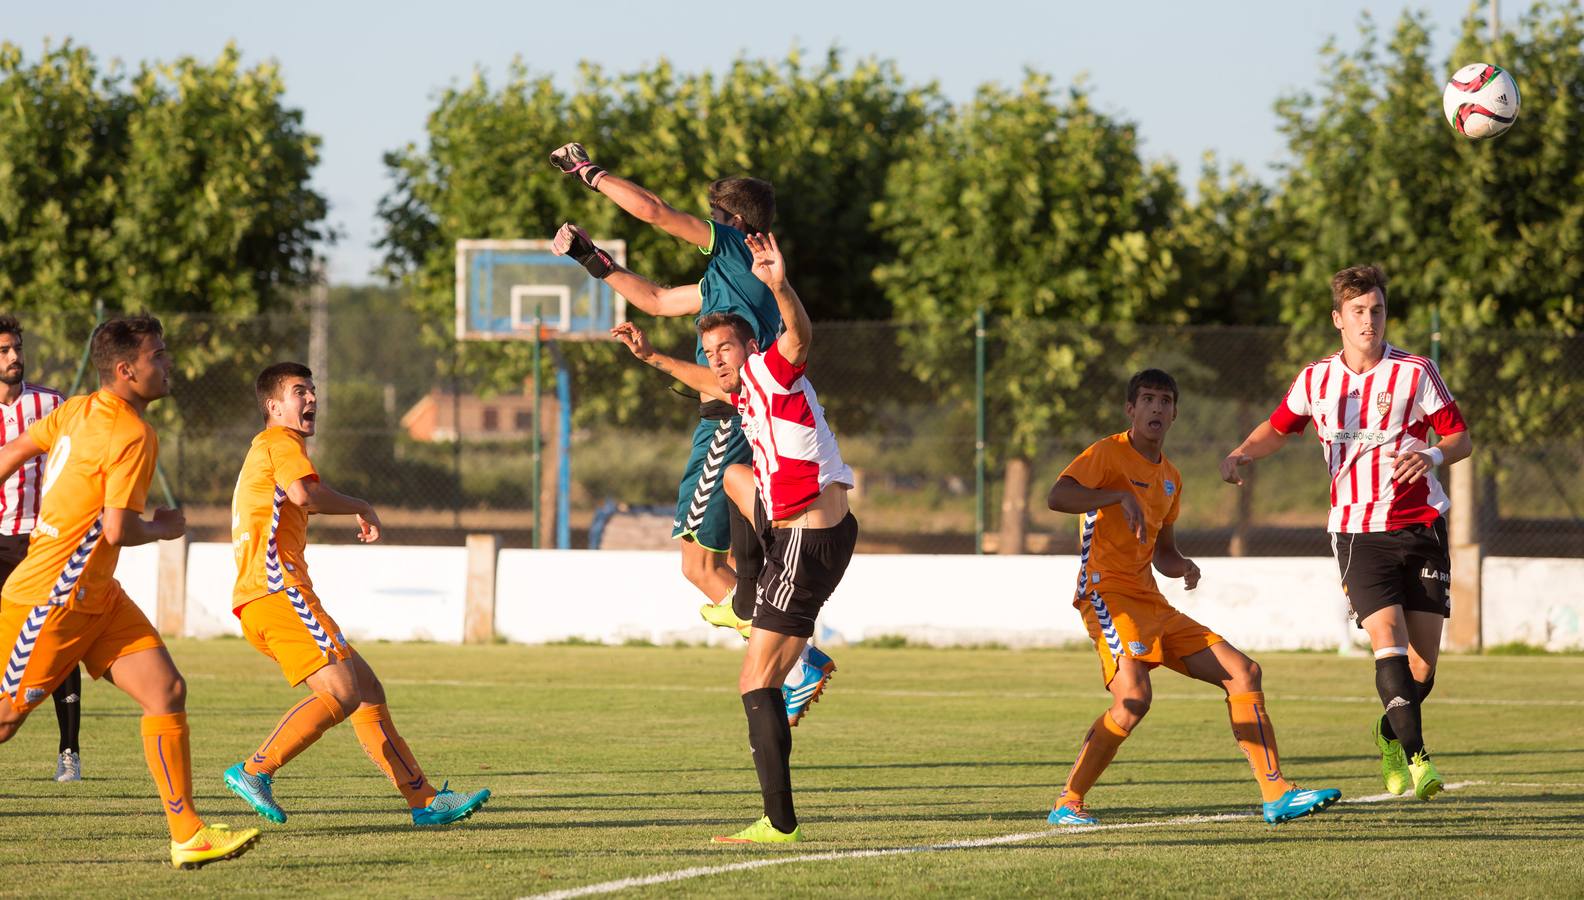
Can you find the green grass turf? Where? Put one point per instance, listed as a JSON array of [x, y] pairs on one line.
[[614, 762]]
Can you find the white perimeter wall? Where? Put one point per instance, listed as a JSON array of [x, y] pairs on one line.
[[417, 593]]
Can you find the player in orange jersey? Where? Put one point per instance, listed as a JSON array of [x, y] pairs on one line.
[[1130, 495], [275, 493], [63, 605]]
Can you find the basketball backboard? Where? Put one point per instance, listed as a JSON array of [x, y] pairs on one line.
[[502, 285]]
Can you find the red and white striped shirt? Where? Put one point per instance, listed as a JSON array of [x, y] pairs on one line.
[[19, 497], [794, 453], [1362, 419]]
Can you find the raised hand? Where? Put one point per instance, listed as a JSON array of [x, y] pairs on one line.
[[172, 523], [1409, 467], [769, 266], [573, 241], [572, 159], [1133, 514], [635, 340]]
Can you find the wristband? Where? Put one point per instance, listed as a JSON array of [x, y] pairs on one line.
[[1437, 456], [596, 261]]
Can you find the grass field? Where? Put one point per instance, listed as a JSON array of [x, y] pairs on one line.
[[611, 763]]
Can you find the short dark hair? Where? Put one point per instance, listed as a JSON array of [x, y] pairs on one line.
[[119, 340], [1355, 281], [270, 380], [10, 325], [1151, 378], [736, 323], [751, 198]]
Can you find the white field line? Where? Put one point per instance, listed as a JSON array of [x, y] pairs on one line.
[[637, 881], [973, 695]]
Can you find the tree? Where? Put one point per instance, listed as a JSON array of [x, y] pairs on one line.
[[1039, 210], [183, 191]]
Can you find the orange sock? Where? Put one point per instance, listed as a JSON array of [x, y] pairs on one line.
[[1099, 748], [377, 733], [295, 732], [1256, 737], [169, 756]]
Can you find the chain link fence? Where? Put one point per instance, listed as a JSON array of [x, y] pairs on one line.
[[442, 453]]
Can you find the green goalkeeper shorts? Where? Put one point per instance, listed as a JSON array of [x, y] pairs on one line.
[[703, 509]]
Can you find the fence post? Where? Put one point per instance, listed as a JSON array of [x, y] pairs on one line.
[[478, 617], [170, 604], [979, 429], [1465, 632]]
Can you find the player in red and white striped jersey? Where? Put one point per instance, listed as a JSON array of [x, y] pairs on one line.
[[22, 404], [799, 508], [1373, 406]]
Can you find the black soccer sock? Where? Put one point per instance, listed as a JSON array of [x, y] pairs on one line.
[[771, 739], [1394, 681], [68, 710], [1424, 691], [748, 557]]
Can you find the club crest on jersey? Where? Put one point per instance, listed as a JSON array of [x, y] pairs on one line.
[[34, 695], [1136, 648], [1170, 488], [1383, 402]]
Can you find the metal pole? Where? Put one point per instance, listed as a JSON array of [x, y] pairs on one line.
[[1435, 335], [536, 424], [979, 430], [1495, 23]]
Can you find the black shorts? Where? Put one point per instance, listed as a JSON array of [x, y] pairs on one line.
[[1407, 567], [13, 548], [802, 567]]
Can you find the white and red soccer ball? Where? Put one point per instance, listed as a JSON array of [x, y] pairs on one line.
[[1480, 101]]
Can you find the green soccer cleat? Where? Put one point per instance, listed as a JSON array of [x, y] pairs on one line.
[[721, 615], [257, 790], [1394, 765], [1426, 780], [760, 832], [448, 806]]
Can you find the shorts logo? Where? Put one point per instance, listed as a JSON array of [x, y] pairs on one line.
[[1383, 402], [1170, 488], [1136, 648], [1432, 575], [34, 695]]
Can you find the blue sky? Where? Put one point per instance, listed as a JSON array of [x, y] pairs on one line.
[[1195, 76]]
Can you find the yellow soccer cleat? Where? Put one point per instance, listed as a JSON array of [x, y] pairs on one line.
[[1394, 765], [212, 843], [761, 832], [1426, 780], [721, 615]]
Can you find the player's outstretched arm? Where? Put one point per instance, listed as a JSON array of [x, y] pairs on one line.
[[1261, 442], [648, 296], [642, 204], [691, 374], [124, 528], [1068, 496], [15, 453], [769, 266], [1169, 560], [318, 499]]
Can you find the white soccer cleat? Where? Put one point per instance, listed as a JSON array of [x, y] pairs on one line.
[[68, 767]]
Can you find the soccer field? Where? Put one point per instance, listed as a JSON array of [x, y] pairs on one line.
[[921, 771]]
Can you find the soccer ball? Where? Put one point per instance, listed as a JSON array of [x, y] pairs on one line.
[[1480, 101]]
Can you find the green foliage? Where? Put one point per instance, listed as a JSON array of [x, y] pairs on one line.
[[1037, 209], [183, 188], [819, 132]]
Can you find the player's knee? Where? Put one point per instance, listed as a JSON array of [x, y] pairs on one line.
[[1249, 673], [347, 696], [6, 730], [171, 695]]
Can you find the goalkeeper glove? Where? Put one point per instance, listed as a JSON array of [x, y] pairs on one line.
[[574, 242], [572, 159]]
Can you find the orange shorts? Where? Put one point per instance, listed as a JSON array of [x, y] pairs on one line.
[[46, 643], [1147, 629], [291, 628]]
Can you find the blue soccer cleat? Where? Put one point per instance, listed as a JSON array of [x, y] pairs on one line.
[[1071, 814], [1298, 803], [808, 680], [257, 790], [448, 806]]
